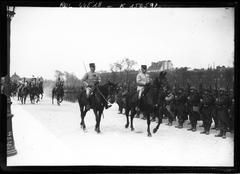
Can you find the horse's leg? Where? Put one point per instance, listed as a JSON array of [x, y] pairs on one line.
[[127, 117], [98, 114], [148, 123], [52, 97], [96, 117], [83, 113], [58, 100], [158, 113], [37, 97], [99, 119], [24, 99], [133, 112]]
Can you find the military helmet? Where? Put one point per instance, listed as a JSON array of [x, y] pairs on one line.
[[180, 89], [207, 91], [192, 88], [222, 89]]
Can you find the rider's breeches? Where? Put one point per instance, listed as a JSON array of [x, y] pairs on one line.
[[88, 91], [140, 90]]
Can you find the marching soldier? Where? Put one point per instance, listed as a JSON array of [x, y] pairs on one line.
[[91, 79], [207, 103], [222, 103], [181, 100], [142, 80], [169, 99], [193, 103]]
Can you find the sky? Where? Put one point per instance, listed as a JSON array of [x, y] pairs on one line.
[[45, 39]]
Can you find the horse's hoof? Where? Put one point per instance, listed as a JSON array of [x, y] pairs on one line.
[[149, 134], [126, 126], [97, 130], [154, 130], [132, 129]]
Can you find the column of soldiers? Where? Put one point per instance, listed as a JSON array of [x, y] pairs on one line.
[[203, 106]]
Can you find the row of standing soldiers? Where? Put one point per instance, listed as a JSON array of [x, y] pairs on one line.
[[206, 105]]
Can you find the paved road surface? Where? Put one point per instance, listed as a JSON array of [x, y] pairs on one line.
[[47, 134]]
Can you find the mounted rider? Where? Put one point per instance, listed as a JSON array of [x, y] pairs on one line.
[[59, 83], [142, 80], [91, 80]]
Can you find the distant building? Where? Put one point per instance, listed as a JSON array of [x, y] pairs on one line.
[[165, 65]]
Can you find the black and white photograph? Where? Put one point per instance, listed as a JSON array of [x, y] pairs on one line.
[[120, 86]]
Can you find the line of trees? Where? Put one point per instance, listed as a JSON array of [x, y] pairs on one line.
[[122, 72]]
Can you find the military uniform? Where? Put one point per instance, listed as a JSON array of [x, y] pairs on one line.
[[207, 105], [222, 103], [142, 80], [181, 100], [90, 79], [169, 100], [193, 103]]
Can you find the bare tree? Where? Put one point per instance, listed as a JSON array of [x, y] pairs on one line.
[[58, 74]]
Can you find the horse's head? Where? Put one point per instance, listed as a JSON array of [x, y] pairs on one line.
[[112, 89], [162, 80]]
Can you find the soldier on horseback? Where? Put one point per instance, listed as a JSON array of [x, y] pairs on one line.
[[142, 80], [91, 80], [59, 82]]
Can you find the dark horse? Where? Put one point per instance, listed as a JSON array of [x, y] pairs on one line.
[[58, 92], [97, 99], [149, 102], [23, 93]]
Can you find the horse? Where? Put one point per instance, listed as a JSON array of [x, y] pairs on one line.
[[40, 89], [13, 88], [149, 103], [34, 93], [120, 99], [23, 93], [97, 100], [58, 92]]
